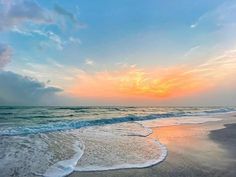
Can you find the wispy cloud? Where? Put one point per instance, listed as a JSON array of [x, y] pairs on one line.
[[18, 12], [194, 25], [56, 39], [191, 50], [223, 15], [69, 15], [74, 40], [60, 10], [51, 36], [89, 61], [21, 31], [28, 18], [55, 63]]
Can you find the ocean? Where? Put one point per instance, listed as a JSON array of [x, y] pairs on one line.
[[55, 141]]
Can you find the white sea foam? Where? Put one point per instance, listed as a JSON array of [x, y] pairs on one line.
[[65, 167], [118, 146], [148, 163]]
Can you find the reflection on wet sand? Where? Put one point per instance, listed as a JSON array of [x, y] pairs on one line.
[[192, 142]]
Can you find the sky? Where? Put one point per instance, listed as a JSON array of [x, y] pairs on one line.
[[126, 52]]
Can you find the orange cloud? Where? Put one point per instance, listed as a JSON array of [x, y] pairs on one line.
[[161, 83]]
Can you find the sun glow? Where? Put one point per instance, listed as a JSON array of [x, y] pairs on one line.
[[160, 83], [134, 82]]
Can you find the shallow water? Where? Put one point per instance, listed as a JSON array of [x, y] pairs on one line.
[[55, 141]]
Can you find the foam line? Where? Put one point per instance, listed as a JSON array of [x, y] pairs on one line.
[[149, 163], [65, 167]]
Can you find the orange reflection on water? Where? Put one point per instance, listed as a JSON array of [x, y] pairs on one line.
[[184, 134]]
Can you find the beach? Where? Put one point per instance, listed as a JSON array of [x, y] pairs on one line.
[[204, 149], [117, 141]]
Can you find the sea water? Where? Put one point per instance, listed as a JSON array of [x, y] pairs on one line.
[[55, 141]]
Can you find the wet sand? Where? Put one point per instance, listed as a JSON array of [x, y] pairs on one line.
[[206, 150]]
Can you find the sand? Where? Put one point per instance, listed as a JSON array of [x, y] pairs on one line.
[[207, 149]]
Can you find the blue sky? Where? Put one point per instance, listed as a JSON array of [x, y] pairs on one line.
[[53, 42], [117, 30]]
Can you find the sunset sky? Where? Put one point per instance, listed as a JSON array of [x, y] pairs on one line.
[[124, 52]]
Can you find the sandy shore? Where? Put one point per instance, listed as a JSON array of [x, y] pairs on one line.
[[207, 149]]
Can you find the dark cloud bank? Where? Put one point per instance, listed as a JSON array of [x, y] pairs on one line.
[[20, 90]]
